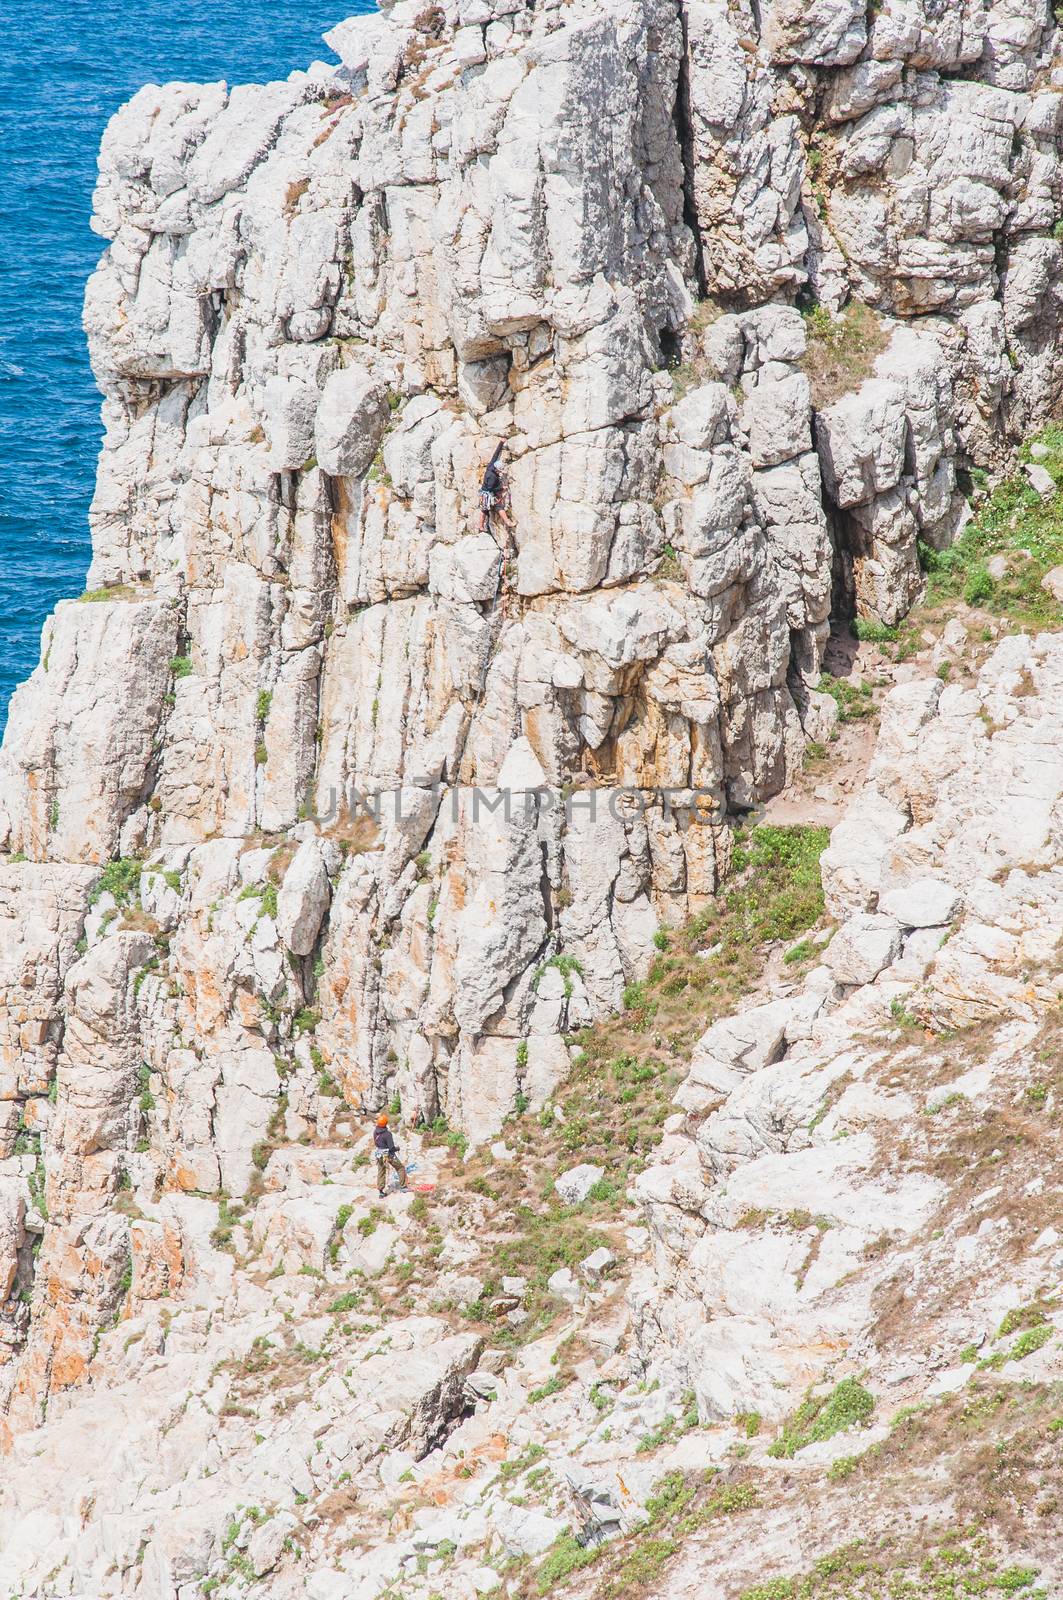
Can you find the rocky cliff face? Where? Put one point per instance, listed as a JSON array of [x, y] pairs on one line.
[[322, 794]]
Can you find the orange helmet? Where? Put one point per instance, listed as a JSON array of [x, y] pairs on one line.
[[382, 1120]]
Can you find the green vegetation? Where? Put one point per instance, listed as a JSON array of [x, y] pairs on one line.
[[1031, 1315], [229, 1214], [680, 1504], [624, 1076], [349, 1301], [657, 1436], [1025, 1345], [1014, 522], [901, 1015], [564, 1557], [120, 879], [854, 700], [545, 1240], [147, 1099], [265, 893], [552, 1385], [170, 876], [114, 591], [843, 1468], [956, 1566], [262, 704], [440, 1132], [869, 630], [181, 666], [513, 1469], [780, 894], [566, 965], [848, 1405]]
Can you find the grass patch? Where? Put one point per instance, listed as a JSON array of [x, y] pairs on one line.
[[114, 591], [1016, 523], [841, 350], [953, 1566], [680, 1504], [564, 1557], [520, 1464]]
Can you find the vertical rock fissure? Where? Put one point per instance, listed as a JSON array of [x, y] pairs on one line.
[[682, 117]]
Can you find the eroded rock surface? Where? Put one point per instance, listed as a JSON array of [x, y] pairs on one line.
[[324, 794]]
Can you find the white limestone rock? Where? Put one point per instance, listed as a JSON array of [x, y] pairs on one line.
[[303, 898], [349, 422], [290, 407], [863, 947], [925, 903], [576, 1184]]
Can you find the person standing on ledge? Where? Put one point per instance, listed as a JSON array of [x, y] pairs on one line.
[[386, 1155]]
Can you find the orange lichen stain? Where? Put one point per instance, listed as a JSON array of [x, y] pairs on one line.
[[173, 1256], [68, 1369], [180, 1176], [339, 526], [440, 1489], [353, 1086]]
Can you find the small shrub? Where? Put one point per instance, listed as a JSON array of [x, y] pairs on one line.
[[120, 879], [513, 1469], [564, 1557], [1028, 1342], [901, 1015], [1026, 1316], [552, 1385], [854, 700], [265, 894], [979, 585], [848, 1405], [349, 1301], [657, 1436], [869, 630]]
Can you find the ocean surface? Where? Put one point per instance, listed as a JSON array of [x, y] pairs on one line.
[[65, 67]]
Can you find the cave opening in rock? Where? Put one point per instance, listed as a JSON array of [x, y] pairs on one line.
[[669, 341]]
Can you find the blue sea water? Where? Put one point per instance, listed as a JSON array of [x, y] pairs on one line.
[[65, 67]]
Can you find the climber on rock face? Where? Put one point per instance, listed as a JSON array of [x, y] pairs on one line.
[[494, 495], [386, 1155]]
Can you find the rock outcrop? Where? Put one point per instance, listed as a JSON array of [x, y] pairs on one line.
[[326, 792]]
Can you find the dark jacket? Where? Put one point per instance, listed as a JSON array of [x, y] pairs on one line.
[[385, 1144]]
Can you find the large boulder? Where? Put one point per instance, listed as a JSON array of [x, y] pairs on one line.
[[351, 418], [863, 947], [303, 899], [924, 903]]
